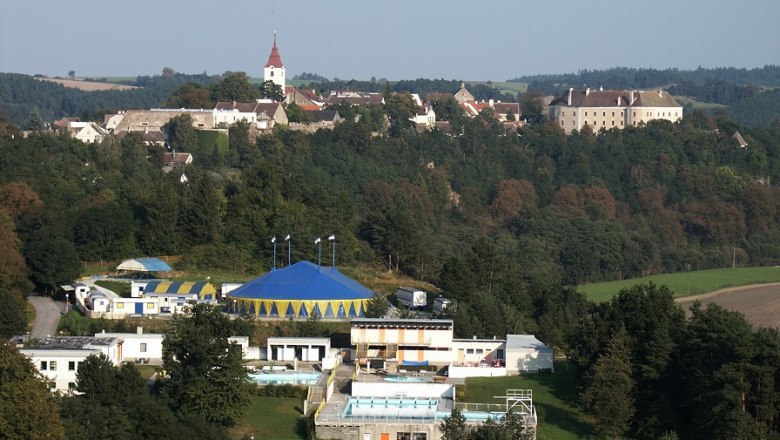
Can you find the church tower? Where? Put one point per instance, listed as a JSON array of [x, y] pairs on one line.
[[274, 69]]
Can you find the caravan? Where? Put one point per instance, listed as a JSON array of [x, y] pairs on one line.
[[411, 297]]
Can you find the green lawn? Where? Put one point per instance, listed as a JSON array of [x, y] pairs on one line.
[[146, 371], [688, 283], [555, 398], [272, 418], [121, 289]]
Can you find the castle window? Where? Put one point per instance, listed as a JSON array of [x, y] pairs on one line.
[[603, 113], [272, 73]]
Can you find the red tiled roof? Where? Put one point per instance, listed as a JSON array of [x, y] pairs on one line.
[[274, 60]]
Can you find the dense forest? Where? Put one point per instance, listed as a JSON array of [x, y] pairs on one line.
[[505, 223]]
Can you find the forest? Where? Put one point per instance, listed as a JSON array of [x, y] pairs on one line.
[[504, 223]]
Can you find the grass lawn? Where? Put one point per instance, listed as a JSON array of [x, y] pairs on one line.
[[146, 371], [121, 289], [555, 398], [688, 283], [271, 418]]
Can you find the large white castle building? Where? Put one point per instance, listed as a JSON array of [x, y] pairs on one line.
[[607, 109]]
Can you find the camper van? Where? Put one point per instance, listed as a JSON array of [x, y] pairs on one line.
[[440, 304], [411, 297]]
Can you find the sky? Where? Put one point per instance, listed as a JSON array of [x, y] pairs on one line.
[[399, 39]]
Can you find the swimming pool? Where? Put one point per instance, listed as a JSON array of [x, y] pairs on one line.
[[295, 378], [473, 415], [391, 407], [399, 378]]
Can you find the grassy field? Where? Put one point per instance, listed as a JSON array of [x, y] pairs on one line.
[[272, 418], [688, 283], [146, 371], [698, 104], [508, 87], [555, 398], [121, 289]]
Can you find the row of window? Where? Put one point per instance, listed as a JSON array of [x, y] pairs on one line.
[[120, 305], [649, 114], [52, 365], [411, 436]]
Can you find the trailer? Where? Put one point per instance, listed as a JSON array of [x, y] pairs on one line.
[[411, 297], [440, 304]]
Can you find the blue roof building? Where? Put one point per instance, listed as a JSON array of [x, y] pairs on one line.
[[300, 291]]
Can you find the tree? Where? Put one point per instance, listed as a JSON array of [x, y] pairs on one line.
[[234, 86], [377, 306], [207, 377], [34, 121], [48, 250], [27, 408], [271, 90], [181, 134], [72, 74], [608, 395], [190, 95], [454, 427]]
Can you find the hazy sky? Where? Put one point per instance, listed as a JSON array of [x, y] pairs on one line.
[[399, 39]]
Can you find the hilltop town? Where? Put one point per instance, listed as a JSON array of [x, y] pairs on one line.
[[262, 260]]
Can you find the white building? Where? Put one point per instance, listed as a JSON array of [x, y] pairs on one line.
[[59, 358], [607, 109], [139, 346], [526, 353], [303, 349], [274, 68]]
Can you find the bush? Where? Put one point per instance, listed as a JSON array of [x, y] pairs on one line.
[[284, 390], [460, 392]]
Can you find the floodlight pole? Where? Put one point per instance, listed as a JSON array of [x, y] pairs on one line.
[[288, 239], [274, 265]]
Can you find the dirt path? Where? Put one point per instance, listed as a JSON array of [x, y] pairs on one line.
[[47, 316], [760, 303]]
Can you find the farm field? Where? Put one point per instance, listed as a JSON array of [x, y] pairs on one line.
[[271, 418], [555, 398], [760, 303], [88, 86], [684, 284]]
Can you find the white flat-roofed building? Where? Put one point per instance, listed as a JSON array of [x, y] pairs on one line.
[[526, 353], [411, 340], [59, 358], [304, 349], [138, 346]]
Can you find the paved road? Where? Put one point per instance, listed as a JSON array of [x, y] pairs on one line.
[[47, 316]]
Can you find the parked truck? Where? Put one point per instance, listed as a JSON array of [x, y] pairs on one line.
[[411, 297]]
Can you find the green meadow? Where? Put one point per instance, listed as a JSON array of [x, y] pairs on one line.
[[687, 283]]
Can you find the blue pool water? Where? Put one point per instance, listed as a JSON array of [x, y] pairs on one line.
[[295, 378], [396, 378], [391, 407]]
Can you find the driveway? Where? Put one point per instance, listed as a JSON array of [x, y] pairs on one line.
[[47, 316]]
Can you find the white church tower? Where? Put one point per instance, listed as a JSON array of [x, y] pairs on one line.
[[274, 69]]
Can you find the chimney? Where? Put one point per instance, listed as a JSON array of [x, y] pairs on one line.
[[139, 330], [660, 93], [601, 89], [587, 91], [474, 337], [491, 103], [632, 98], [569, 100]]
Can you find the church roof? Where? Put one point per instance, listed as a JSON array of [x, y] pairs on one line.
[[274, 60]]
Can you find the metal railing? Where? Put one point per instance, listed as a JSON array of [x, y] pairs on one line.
[[485, 407]]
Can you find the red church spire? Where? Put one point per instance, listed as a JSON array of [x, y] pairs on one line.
[[274, 60]]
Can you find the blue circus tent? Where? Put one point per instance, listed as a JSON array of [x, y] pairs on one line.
[[302, 290]]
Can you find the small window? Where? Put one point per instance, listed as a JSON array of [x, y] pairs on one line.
[[586, 113], [149, 305], [420, 436], [71, 385], [53, 365], [120, 305], [478, 351], [603, 113], [143, 347], [44, 365], [272, 72], [603, 122], [469, 351], [561, 122], [613, 113], [71, 366], [635, 114]]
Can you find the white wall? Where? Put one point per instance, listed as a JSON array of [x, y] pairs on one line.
[[460, 372], [410, 389], [133, 346], [528, 360]]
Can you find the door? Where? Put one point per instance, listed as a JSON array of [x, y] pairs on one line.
[[139, 308], [385, 436]]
